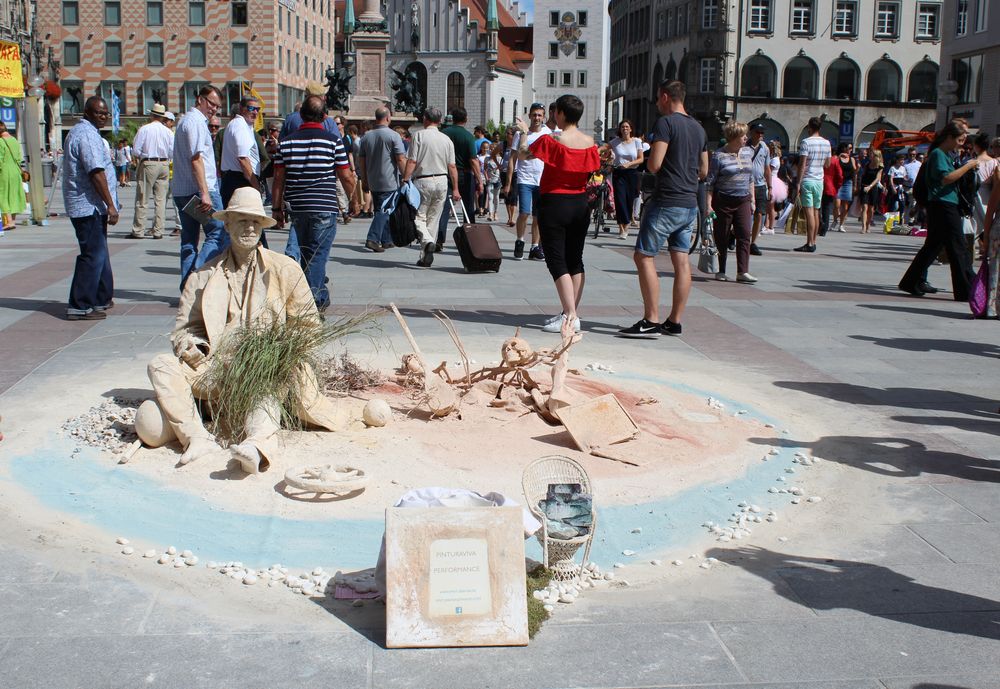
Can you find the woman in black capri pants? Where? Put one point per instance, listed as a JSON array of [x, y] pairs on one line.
[[563, 215]]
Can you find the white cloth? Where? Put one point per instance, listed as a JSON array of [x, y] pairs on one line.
[[625, 152], [239, 142], [817, 151], [912, 168], [433, 196], [530, 171], [153, 140]]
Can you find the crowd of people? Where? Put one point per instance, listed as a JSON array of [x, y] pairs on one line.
[[315, 171]]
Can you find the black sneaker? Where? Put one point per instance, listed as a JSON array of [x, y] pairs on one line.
[[519, 250], [804, 248], [94, 315], [426, 255], [754, 251], [642, 329], [536, 254], [439, 247], [668, 327]]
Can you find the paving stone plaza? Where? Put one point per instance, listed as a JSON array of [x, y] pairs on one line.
[[891, 581]]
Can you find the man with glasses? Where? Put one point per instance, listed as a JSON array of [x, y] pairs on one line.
[[240, 154], [195, 177], [528, 176], [90, 194]]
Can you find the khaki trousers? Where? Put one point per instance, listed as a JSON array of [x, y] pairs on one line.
[[433, 195], [152, 180]]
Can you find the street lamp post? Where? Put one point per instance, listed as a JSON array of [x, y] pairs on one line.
[[33, 144]]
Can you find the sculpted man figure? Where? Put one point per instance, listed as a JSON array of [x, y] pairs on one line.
[[244, 284]]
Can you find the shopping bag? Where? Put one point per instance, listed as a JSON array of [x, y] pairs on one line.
[[708, 256], [979, 291]]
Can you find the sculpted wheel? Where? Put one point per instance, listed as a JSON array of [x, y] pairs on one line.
[[326, 478]]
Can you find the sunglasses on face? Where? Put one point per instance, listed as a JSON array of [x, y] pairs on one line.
[[214, 127], [253, 108]]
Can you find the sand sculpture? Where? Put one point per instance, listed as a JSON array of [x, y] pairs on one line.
[[245, 285]]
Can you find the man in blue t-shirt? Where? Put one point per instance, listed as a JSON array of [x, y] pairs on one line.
[[678, 156]]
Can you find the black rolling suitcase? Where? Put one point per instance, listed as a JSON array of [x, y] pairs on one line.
[[477, 245]]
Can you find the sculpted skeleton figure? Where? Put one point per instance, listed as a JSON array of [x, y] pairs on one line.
[[245, 284]]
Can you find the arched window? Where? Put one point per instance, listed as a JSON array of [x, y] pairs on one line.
[[842, 80], [801, 79], [923, 83], [828, 130], [864, 139], [516, 113], [503, 110], [657, 78], [671, 71], [421, 72], [456, 91], [773, 130], [884, 81], [757, 78]]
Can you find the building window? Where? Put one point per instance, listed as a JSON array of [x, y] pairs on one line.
[[154, 13], [189, 93], [153, 92], [112, 14], [281, 59], [297, 26], [802, 17], [923, 83], [709, 14], [72, 98], [885, 81], [581, 79], [113, 54], [757, 78], [107, 88], [845, 18], [297, 64], [233, 93], [281, 20], [962, 18], [707, 74], [70, 13], [760, 16], [887, 20], [842, 80], [503, 110], [71, 54], [196, 13], [581, 17], [661, 25], [968, 72], [928, 21], [154, 54], [456, 91], [801, 78], [553, 51], [553, 18], [551, 78], [566, 79], [241, 55], [196, 54], [581, 50], [982, 15], [240, 14]]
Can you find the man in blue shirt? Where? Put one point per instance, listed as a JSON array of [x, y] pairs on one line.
[[90, 194], [195, 178]]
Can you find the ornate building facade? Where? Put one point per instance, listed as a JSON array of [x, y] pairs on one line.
[[863, 66]]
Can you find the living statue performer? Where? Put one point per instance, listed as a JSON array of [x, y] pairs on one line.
[[246, 284]]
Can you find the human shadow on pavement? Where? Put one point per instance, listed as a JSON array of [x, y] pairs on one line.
[[955, 315], [914, 344], [52, 308], [961, 423], [894, 457], [906, 399], [838, 287], [829, 584]]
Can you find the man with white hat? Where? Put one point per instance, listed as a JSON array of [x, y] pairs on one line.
[[153, 149], [246, 284]]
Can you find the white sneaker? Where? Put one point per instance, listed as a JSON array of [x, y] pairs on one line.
[[554, 324], [746, 277], [721, 277], [840, 228]]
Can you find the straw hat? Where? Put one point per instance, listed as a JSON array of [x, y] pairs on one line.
[[246, 201], [158, 110], [169, 115], [314, 88]]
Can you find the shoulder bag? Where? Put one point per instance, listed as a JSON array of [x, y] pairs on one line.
[[708, 257]]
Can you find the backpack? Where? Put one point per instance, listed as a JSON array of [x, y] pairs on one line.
[[403, 223], [967, 188]]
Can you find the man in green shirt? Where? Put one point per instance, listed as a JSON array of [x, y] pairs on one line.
[[470, 183]]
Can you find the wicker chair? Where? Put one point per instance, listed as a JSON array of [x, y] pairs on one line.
[[557, 553]]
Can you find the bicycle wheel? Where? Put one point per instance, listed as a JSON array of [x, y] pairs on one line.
[[598, 219]]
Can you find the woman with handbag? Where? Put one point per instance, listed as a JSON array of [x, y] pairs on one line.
[[944, 219], [731, 199], [625, 175], [871, 189], [12, 179]]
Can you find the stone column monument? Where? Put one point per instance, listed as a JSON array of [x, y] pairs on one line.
[[369, 37]]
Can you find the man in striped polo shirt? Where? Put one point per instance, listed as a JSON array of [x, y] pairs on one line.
[[306, 167]]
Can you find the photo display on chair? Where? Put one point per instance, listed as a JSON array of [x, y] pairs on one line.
[[568, 510]]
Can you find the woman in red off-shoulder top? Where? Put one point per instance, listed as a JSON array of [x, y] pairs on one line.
[[563, 217]]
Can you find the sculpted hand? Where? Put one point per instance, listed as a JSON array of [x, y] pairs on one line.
[[193, 352], [198, 448]]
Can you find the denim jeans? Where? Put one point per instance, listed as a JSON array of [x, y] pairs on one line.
[[93, 285], [379, 230], [315, 233], [292, 245], [216, 239]]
